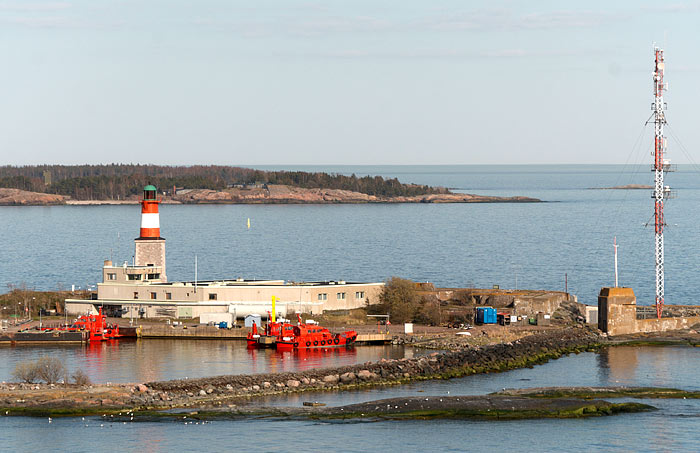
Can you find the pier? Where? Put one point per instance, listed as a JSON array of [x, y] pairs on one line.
[[53, 337], [203, 332]]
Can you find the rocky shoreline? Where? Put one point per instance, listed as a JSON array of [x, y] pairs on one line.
[[271, 194], [219, 391]]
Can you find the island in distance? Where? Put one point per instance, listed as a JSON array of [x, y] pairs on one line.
[[122, 184]]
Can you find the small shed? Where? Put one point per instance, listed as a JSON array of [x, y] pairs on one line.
[[253, 318]]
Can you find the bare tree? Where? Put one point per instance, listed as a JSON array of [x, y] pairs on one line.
[[25, 372], [80, 377], [50, 369]]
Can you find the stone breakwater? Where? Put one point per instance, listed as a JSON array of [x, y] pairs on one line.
[[524, 352], [218, 390]]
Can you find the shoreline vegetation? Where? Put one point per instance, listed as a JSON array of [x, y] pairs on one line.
[[122, 184]]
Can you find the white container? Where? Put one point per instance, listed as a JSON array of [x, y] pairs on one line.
[[408, 328]]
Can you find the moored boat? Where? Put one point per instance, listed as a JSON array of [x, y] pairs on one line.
[[271, 332], [310, 336], [97, 326]]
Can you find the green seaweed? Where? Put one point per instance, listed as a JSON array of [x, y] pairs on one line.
[[490, 414], [620, 392]]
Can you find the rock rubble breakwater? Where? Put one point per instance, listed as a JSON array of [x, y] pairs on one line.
[[527, 351]]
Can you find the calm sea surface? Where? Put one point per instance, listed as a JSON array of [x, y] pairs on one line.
[[523, 245]]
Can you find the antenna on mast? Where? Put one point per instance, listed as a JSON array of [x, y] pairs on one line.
[[615, 247]]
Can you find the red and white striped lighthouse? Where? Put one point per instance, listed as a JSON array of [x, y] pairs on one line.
[[150, 219], [149, 246]]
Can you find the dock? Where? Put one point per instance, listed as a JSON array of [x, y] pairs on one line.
[[203, 332], [44, 338]]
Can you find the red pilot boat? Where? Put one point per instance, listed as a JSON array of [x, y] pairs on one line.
[[268, 338], [96, 325], [309, 336]]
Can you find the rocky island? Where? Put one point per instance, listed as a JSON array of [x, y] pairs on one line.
[[122, 184]]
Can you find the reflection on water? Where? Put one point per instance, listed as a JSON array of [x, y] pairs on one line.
[[151, 360], [618, 364]]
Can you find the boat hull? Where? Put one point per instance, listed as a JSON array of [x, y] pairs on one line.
[[315, 343]]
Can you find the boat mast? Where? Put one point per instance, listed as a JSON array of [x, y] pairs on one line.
[[659, 168]]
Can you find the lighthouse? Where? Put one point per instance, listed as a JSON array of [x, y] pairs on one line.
[[149, 246]]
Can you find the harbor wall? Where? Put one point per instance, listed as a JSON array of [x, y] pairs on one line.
[[617, 315], [517, 302]]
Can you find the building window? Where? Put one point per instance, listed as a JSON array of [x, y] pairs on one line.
[[360, 295], [134, 276], [153, 296], [136, 295], [153, 276], [111, 276], [212, 296], [340, 296], [168, 296], [323, 296]]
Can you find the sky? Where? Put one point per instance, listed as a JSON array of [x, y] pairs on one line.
[[294, 82]]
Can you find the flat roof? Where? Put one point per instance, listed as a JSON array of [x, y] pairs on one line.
[[245, 283]]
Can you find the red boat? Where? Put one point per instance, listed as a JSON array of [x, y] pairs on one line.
[[97, 325], [308, 336], [268, 338]]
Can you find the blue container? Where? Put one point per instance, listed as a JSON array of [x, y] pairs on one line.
[[486, 315], [223, 325]]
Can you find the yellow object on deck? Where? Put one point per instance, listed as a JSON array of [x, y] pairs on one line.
[[273, 309]]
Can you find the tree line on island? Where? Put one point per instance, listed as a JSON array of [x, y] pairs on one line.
[[120, 181]]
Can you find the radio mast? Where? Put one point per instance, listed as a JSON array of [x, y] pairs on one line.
[[659, 168]]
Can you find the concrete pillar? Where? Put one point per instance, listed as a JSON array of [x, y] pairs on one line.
[[617, 311]]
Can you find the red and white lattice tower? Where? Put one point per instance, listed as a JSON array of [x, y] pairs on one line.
[[659, 168]]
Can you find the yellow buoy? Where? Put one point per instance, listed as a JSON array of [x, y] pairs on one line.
[[249, 223]]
